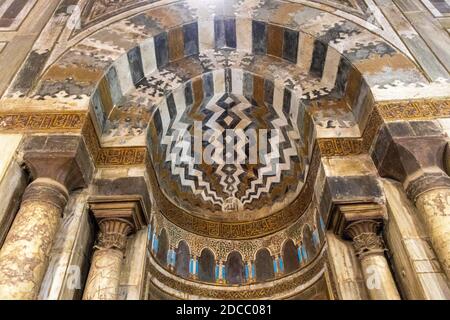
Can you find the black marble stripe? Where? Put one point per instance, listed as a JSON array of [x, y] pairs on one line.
[[287, 98], [230, 33], [171, 106], [318, 59], [219, 33], [247, 85], [342, 76], [136, 66], [161, 49], [269, 90], [290, 45], [208, 85], [189, 94], [191, 42], [259, 37], [228, 80]]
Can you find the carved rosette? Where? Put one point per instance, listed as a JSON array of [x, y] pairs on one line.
[[113, 234], [366, 240]]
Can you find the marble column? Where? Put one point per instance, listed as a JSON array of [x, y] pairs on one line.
[[369, 248], [413, 154], [25, 253], [104, 274], [117, 217], [434, 208], [58, 165]]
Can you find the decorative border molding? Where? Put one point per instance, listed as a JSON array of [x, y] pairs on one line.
[[414, 110], [76, 121], [334, 147], [42, 122]]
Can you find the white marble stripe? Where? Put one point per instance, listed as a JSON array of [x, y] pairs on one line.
[[148, 56], [237, 77], [219, 80], [22, 14], [123, 74], [330, 70], [165, 116], [206, 34], [305, 51], [432, 8], [244, 34], [4, 6]]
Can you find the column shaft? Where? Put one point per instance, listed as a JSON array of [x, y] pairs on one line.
[[378, 277], [434, 206], [25, 253], [104, 275], [369, 248]]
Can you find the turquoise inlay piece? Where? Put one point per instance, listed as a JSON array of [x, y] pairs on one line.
[[275, 267], [281, 264], [299, 254], [253, 271], [246, 271], [322, 224], [304, 253], [217, 272]]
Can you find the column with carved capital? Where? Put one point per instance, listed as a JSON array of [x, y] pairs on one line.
[[369, 248], [117, 217], [58, 165], [104, 274], [433, 203], [417, 161]]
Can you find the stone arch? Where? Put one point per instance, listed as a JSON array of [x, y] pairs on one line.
[[321, 48], [163, 247], [207, 266], [183, 257], [235, 270], [290, 256], [264, 265]]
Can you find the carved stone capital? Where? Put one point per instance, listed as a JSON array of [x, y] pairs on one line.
[[365, 237], [63, 159], [117, 217], [412, 153], [426, 182], [113, 233], [48, 191], [348, 213]]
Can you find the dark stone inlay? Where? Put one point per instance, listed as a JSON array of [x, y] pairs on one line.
[[208, 85], [248, 85], [230, 33], [136, 66], [259, 37], [161, 49], [290, 45], [318, 59], [188, 94], [342, 75], [269, 89], [191, 42]]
